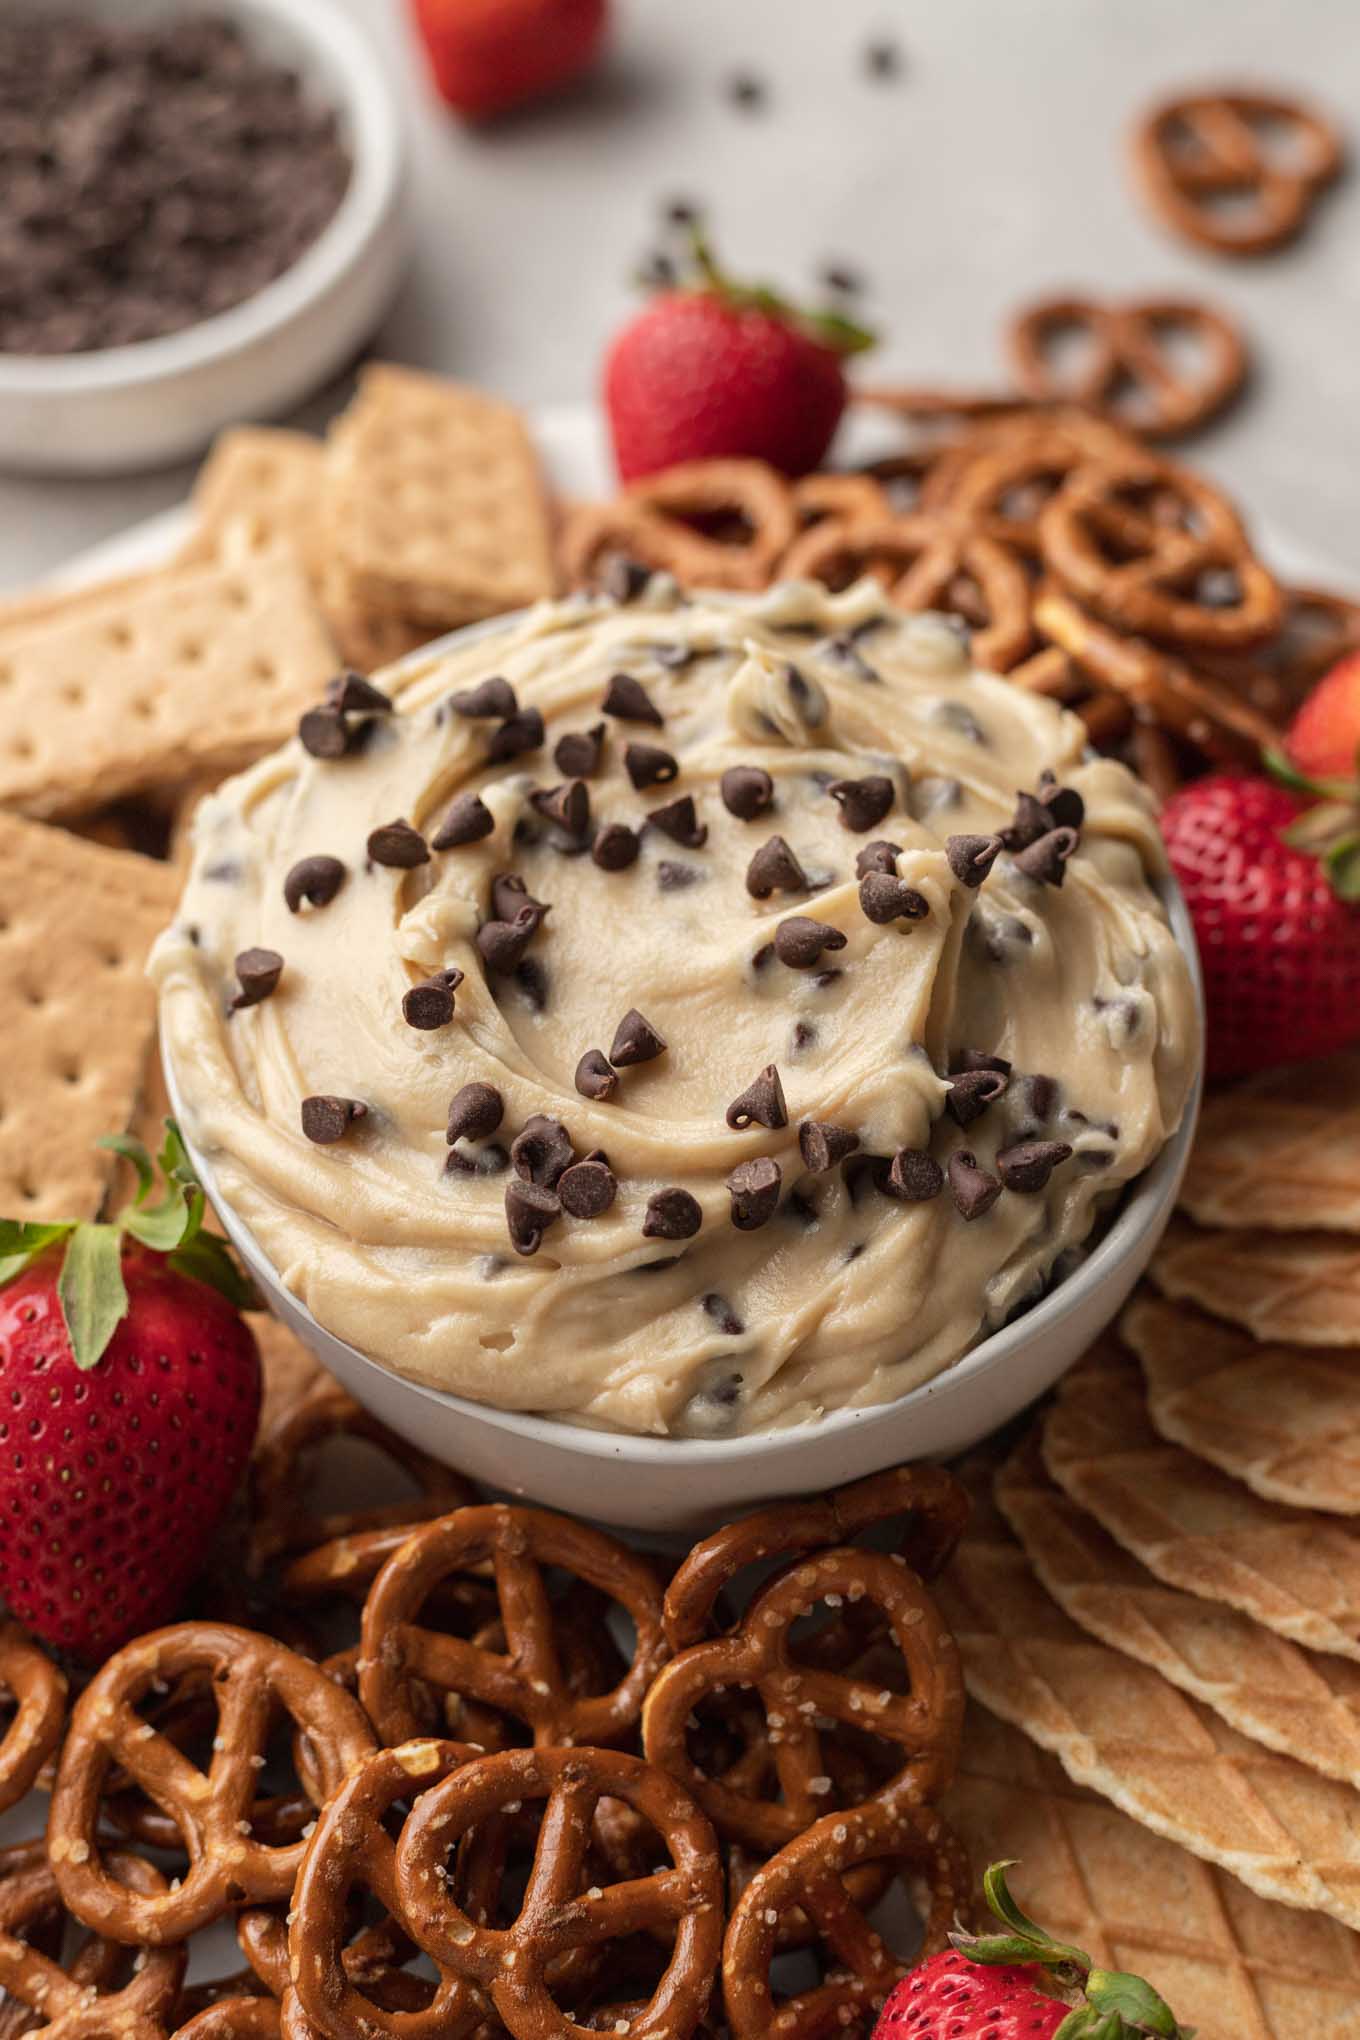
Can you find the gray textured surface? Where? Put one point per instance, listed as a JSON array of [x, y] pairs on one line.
[[993, 169]]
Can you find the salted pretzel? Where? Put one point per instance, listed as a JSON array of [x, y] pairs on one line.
[[1002, 477], [925, 1722], [1129, 367], [812, 1875], [1136, 541], [927, 560], [99, 1992], [234, 2018], [563, 1910], [854, 498], [251, 1675], [1198, 149], [711, 523], [1318, 629], [526, 1679], [281, 1520], [931, 1502], [34, 1731]]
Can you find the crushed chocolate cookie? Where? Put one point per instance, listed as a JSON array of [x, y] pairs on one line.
[[313, 882], [799, 941], [863, 802], [724, 1317], [398, 846], [530, 1209], [542, 1150], [754, 1189], [588, 1188], [635, 1041], [972, 857], [1028, 1165], [747, 791], [615, 847], [520, 733], [680, 821], [577, 754], [477, 1110], [880, 856], [567, 807], [491, 700], [774, 868], [915, 1176], [885, 899], [822, 1145], [468, 820], [1046, 860], [257, 973], [971, 1092], [430, 1005], [672, 1214], [326, 1119], [648, 765], [595, 1078], [974, 1191], [628, 700], [761, 1103]]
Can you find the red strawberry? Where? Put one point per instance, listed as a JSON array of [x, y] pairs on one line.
[[990, 1989], [1271, 885], [1324, 737], [129, 1396], [489, 55], [714, 371]]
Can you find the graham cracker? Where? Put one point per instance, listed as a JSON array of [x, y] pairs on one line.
[[1230, 1964], [76, 1011], [1303, 1703], [1294, 1570], [366, 638], [1301, 1287], [435, 506], [258, 492], [1281, 1151], [1124, 1731], [49, 601], [1284, 1419], [201, 672]]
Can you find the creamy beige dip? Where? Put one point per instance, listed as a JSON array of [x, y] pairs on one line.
[[843, 1293]]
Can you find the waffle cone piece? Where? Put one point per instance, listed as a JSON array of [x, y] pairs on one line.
[[1304, 1704], [1235, 1966], [1285, 1419], [1296, 1571], [1127, 1733], [1282, 1151], [1303, 1287]]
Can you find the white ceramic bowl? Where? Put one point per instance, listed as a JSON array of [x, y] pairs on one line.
[[162, 400]]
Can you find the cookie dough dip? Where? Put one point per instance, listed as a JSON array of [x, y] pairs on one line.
[[685, 1016]]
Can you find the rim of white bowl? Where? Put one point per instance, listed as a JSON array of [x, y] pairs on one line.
[[362, 96], [1146, 1203]]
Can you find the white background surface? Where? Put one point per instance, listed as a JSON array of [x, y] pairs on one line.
[[993, 169]]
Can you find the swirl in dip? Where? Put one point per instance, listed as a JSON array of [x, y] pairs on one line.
[[772, 1078]]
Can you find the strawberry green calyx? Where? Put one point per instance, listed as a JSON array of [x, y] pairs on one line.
[[829, 328], [90, 1288], [1330, 829], [1106, 2004]]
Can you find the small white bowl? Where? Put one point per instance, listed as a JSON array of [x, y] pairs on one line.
[[142, 406]]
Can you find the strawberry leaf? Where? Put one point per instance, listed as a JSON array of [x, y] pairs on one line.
[[91, 1291], [21, 1243], [207, 1259], [1133, 2001], [1342, 864]]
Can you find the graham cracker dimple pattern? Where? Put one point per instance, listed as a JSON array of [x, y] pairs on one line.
[[1285, 1419], [1300, 1287], [1281, 1151], [1231, 1964], [1296, 1571], [435, 506], [76, 924], [1124, 1731], [200, 673], [1304, 1704], [259, 491]]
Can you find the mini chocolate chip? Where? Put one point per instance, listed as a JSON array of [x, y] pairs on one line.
[[978, 1059], [623, 579], [494, 700], [648, 765], [882, 59], [399, 846], [799, 941], [615, 848], [476, 1111], [1030, 821], [1046, 860], [1066, 808], [763, 957], [313, 880], [915, 1176], [635, 1041], [971, 1092], [530, 1209], [587, 1189], [509, 894], [863, 1173], [468, 820], [567, 806], [879, 856], [822, 1145], [863, 802], [1040, 1094], [673, 658], [804, 1034], [430, 1005], [531, 981], [971, 857], [724, 1317], [825, 978], [577, 754], [774, 868], [521, 733], [1028, 1165], [257, 972], [627, 698], [761, 1103], [492, 1160], [679, 820], [324, 733], [747, 791], [501, 944], [672, 1214], [673, 877], [351, 694], [746, 91], [974, 1191], [327, 1119], [594, 1076], [754, 1190], [542, 1150], [886, 899]]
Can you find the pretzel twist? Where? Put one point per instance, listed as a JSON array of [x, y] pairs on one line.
[[39, 1691], [1129, 371], [85, 2001], [1194, 150], [660, 521]]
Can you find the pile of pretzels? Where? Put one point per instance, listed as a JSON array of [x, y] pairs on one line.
[[457, 1770]]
